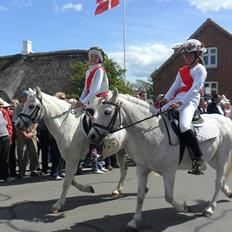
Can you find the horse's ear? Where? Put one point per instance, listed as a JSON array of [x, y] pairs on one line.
[[30, 90], [115, 95], [38, 93]]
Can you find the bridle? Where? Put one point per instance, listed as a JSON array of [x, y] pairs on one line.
[[110, 127], [34, 116]]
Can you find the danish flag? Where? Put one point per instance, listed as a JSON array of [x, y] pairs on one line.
[[103, 5]]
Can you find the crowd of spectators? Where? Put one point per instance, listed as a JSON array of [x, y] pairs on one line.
[[34, 152]]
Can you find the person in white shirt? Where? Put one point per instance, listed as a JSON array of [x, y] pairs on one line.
[[184, 96], [96, 80]]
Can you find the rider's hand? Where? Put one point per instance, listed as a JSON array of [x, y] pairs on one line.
[[175, 105], [77, 104], [162, 102]]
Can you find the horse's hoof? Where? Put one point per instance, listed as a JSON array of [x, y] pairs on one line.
[[116, 193], [146, 190], [91, 189], [188, 209], [54, 211], [207, 214]]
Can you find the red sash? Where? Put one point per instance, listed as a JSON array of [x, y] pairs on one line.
[[89, 81], [186, 78]]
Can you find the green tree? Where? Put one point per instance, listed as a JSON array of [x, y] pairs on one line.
[[114, 72]]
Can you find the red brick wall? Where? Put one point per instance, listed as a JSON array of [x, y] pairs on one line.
[[212, 36]]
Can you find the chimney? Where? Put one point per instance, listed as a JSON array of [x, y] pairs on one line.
[[27, 47]]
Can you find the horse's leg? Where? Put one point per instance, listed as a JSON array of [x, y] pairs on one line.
[[70, 169], [142, 176], [219, 185], [225, 188], [123, 171], [169, 182]]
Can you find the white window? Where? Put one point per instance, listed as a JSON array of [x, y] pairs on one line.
[[211, 88], [210, 57]]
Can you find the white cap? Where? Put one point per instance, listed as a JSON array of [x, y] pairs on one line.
[[193, 45], [3, 103]]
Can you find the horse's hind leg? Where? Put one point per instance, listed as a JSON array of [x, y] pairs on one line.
[[169, 181], [225, 188], [219, 185], [142, 176], [123, 171]]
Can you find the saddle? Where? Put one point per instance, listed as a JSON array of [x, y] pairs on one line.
[[87, 121], [173, 117]]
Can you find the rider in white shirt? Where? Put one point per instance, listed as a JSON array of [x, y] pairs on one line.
[[96, 80], [184, 96]]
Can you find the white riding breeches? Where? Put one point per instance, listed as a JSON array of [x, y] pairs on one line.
[[185, 116], [186, 113]]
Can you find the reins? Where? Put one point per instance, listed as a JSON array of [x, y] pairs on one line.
[[142, 120], [110, 126]]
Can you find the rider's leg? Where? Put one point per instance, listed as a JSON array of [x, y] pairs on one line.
[[198, 163], [190, 139]]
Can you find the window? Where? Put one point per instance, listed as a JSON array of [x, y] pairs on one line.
[[211, 88], [210, 57]]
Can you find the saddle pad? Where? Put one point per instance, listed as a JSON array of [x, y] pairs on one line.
[[206, 130]]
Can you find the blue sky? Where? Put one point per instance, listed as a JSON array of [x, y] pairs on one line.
[[152, 27]]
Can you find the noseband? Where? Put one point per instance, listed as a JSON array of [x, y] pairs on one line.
[[110, 126]]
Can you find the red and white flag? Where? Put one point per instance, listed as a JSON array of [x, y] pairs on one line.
[[103, 5]]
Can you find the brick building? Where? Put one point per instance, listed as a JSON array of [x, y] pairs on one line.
[[218, 61]]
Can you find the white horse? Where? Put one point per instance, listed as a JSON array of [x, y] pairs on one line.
[[65, 127], [148, 142]]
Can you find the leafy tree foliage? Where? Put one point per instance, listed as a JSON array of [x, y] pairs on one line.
[[114, 72]]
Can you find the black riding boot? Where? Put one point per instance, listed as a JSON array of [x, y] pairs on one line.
[[191, 141]]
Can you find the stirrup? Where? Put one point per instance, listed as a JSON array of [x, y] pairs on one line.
[[198, 168]]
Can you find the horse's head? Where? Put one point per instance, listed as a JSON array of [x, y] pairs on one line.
[[107, 119], [32, 110]]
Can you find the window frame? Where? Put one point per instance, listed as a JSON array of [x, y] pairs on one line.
[[209, 55]]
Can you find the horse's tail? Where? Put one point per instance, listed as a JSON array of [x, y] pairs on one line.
[[228, 172]]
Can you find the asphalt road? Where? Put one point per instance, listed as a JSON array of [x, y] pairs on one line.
[[25, 205]]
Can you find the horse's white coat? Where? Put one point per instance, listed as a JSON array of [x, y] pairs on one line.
[[71, 141], [148, 143]]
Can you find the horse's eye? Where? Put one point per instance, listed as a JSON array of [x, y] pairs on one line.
[[107, 111], [31, 106]]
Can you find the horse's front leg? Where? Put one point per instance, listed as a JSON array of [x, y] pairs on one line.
[[169, 182], [123, 171], [142, 176], [70, 170]]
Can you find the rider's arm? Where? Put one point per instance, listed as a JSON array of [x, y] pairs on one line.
[[174, 87]]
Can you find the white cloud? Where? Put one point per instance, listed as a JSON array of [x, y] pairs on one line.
[[141, 61], [68, 6], [23, 3], [2, 8], [211, 5]]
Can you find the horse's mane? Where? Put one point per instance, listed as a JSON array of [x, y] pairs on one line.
[[135, 100]]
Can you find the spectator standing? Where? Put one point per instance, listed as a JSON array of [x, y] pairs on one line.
[[12, 157], [215, 107], [202, 108], [57, 161], [5, 141], [26, 142]]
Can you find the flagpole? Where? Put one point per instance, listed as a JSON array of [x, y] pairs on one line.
[[124, 37]]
